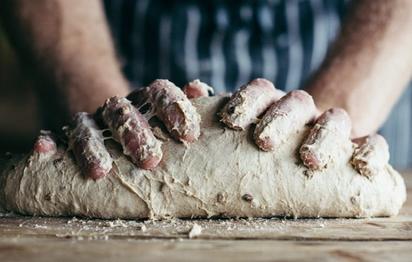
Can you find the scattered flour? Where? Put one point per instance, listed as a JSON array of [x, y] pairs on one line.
[[195, 231]]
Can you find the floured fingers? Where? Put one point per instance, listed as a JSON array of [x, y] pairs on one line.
[[371, 155], [249, 102], [87, 143], [131, 129], [172, 107], [286, 116], [322, 144]]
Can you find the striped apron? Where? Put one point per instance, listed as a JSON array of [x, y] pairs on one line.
[[225, 43]]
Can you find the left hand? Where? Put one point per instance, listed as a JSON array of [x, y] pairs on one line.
[[285, 114]]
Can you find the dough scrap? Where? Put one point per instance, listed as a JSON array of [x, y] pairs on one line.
[[207, 178]]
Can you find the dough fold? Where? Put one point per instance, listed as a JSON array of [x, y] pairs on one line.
[[222, 174]]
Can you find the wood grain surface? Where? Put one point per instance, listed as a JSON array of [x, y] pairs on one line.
[[277, 239]]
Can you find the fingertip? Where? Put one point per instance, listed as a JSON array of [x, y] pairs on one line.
[[150, 163], [97, 173], [262, 82], [43, 146], [265, 144], [196, 88], [309, 159], [301, 95], [45, 143]]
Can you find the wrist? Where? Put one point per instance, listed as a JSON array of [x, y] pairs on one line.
[[364, 113], [88, 94]]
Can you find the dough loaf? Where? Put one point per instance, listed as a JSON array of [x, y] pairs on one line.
[[222, 174]]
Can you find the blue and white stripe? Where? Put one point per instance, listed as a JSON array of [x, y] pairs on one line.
[[224, 42]]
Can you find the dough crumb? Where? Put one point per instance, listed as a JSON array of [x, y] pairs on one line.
[[40, 226], [195, 231], [73, 220], [116, 223], [247, 197]]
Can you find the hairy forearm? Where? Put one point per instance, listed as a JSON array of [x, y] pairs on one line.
[[69, 43], [369, 65]]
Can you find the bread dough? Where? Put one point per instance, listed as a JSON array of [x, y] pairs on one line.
[[222, 174]]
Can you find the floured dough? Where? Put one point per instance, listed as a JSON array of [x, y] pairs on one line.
[[221, 174]]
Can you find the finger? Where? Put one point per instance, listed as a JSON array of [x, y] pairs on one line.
[[286, 116], [175, 110], [45, 143], [87, 143], [249, 102], [133, 132], [196, 89], [172, 107], [322, 143], [371, 155]]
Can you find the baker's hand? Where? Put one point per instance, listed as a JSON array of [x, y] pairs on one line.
[[130, 127], [278, 115]]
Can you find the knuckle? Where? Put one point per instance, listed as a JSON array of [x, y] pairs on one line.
[[332, 127], [175, 110], [286, 116], [248, 103]]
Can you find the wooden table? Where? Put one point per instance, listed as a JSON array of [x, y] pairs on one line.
[[72, 239]]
